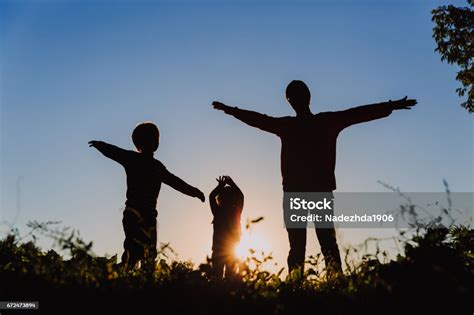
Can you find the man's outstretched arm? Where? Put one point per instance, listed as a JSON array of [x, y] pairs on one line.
[[371, 112], [251, 118], [112, 152]]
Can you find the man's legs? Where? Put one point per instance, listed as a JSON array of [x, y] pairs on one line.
[[326, 235], [297, 238], [329, 248]]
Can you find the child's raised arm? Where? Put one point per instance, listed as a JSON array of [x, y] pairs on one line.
[[112, 152], [236, 190], [214, 193], [180, 185]]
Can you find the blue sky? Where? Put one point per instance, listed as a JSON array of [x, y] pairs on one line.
[[75, 71]]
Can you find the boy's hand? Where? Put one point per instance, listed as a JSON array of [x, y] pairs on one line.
[[219, 106], [402, 103], [201, 196], [228, 180], [221, 181]]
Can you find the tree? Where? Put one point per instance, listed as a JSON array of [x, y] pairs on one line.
[[454, 35]]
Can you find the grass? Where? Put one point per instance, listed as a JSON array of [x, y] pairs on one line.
[[434, 272]]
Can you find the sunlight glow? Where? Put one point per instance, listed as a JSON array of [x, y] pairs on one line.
[[249, 243]]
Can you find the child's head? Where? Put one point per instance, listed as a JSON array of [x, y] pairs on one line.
[[227, 197], [146, 137]]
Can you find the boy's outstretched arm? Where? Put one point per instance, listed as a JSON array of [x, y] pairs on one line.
[[370, 112], [112, 152], [251, 118], [180, 185]]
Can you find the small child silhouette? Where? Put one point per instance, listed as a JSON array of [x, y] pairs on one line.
[[227, 202], [144, 177]]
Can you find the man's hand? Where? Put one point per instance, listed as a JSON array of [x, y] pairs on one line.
[[219, 106], [94, 143], [402, 103]]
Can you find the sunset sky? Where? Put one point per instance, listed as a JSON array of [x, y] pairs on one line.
[[74, 71]]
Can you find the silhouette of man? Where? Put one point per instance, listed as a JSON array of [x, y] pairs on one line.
[[227, 202], [308, 155]]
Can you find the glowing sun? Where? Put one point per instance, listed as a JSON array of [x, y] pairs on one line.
[[250, 242]]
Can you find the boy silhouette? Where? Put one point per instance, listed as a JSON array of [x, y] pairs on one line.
[[145, 175], [308, 155], [227, 202]]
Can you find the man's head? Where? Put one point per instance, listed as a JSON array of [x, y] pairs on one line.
[[298, 95], [146, 137]]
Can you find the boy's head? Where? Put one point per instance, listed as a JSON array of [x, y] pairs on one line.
[[226, 197], [298, 95], [146, 137]]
